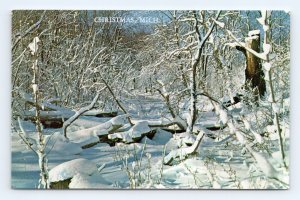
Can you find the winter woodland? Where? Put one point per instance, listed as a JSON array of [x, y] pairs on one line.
[[150, 99]]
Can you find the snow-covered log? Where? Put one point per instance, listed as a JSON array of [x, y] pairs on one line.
[[107, 127], [90, 136], [53, 116], [55, 119], [100, 113], [61, 175], [165, 123], [85, 140], [49, 119], [134, 134]]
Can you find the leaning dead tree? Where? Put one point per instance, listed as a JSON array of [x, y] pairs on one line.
[[253, 72]]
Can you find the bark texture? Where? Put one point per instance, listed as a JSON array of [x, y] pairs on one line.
[[253, 72]]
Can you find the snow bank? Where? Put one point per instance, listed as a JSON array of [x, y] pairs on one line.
[[58, 144], [84, 138], [208, 120], [188, 174], [88, 122], [71, 168]]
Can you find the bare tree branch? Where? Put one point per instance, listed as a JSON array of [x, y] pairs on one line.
[[80, 112]]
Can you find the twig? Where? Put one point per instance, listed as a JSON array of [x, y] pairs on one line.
[[31, 28]]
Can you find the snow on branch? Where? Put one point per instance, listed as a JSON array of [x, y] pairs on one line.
[[115, 98], [208, 32], [135, 133], [80, 112], [267, 66], [29, 30], [262, 162], [262, 56], [166, 96], [163, 91], [253, 32], [182, 153], [47, 105], [221, 24]]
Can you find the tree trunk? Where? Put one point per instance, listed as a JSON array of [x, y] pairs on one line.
[[253, 72]]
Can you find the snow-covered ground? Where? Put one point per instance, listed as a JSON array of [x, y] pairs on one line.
[[219, 163]]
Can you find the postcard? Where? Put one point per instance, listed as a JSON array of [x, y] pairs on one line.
[[150, 99]]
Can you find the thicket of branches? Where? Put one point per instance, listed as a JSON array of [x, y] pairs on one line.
[[75, 51]]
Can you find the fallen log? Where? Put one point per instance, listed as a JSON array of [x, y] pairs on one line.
[[91, 136], [174, 131], [99, 113], [55, 119], [53, 116], [112, 142], [49, 119], [135, 134]]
